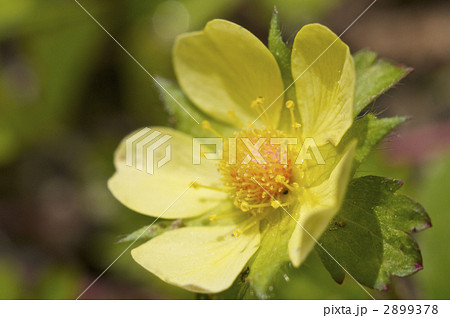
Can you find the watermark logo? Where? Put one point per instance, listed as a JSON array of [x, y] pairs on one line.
[[305, 151], [141, 147]]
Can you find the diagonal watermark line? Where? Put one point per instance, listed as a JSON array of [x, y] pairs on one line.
[[354, 21], [136, 61], [314, 239], [98, 277]]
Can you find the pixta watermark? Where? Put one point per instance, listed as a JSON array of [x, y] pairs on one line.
[[142, 146], [255, 151], [144, 150]]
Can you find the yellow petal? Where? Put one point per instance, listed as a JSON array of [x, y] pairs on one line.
[[319, 205], [315, 172], [325, 83], [225, 67], [153, 194], [199, 259]]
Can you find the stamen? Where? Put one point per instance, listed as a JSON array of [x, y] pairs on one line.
[[196, 185], [257, 105], [275, 204], [253, 222], [238, 231], [238, 178], [216, 217], [281, 179], [245, 206], [294, 188], [207, 126], [294, 124]]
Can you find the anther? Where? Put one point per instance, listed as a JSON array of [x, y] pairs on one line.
[[275, 204], [257, 105], [280, 179], [193, 184], [254, 221], [289, 104], [206, 125], [245, 206], [237, 232]]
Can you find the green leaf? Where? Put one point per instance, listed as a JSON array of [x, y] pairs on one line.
[[374, 77], [272, 254], [433, 282], [370, 237], [279, 50], [369, 131], [282, 55], [180, 118]]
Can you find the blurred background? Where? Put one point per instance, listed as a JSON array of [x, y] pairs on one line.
[[69, 94]]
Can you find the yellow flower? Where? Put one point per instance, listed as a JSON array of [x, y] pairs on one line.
[[232, 77]]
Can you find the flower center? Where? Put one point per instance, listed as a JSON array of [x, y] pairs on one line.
[[256, 169]]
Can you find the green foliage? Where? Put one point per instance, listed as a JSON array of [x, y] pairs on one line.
[[279, 50], [370, 237], [369, 131], [282, 54], [272, 253], [312, 281], [374, 77], [433, 281]]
